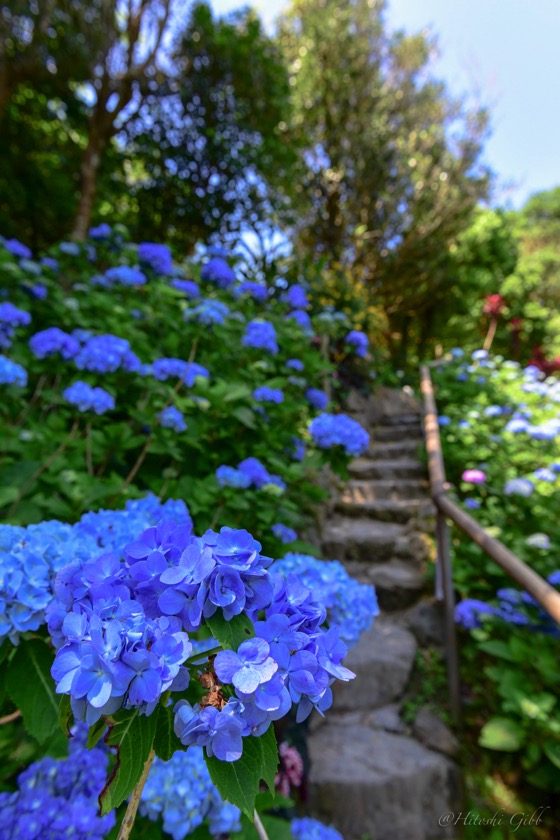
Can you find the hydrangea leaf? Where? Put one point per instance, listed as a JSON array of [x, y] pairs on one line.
[[166, 742], [230, 634], [501, 734], [269, 757], [31, 666], [132, 735], [95, 733], [65, 715], [238, 781]]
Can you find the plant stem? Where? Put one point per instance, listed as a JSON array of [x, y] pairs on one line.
[[261, 830], [9, 718], [89, 454], [490, 334], [43, 468], [134, 801]]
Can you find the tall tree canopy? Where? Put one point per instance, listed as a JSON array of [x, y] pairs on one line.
[[393, 167]]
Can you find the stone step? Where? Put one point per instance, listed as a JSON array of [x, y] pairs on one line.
[[411, 418], [385, 490], [382, 661], [398, 583], [352, 503], [394, 449], [377, 784], [394, 433], [366, 540], [386, 468]]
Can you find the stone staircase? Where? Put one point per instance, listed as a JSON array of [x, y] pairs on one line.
[[371, 775]]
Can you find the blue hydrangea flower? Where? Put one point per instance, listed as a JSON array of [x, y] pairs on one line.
[[317, 399], [54, 340], [328, 430], [296, 297], [260, 335], [538, 540], [188, 287], [266, 394], [545, 474], [258, 291], [102, 231], [87, 398], [468, 613], [59, 797], [171, 418], [208, 312], [217, 271], [284, 533], [11, 373], [157, 257], [178, 369], [17, 248], [218, 731], [306, 828], [105, 354], [11, 316], [295, 364], [519, 487], [125, 275], [359, 341], [302, 319], [230, 477], [248, 668], [472, 504], [298, 449], [444, 420], [49, 262]]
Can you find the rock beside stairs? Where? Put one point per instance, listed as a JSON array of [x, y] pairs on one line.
[[374, 783]]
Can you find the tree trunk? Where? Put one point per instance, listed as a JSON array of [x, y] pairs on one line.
[[88, 183]]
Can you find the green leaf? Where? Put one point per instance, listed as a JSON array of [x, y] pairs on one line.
[[497, 648], [166, 742], [65, 715], [238, 781], [31, 687], [132, 735], [269, 757], [552, 752], [95, 733], [237, 392], [245, 416], [230, 634], [501, 734]]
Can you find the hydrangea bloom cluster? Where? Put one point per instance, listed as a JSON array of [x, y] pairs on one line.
[[351, 606], [125, 275], [298, 449], [258, 291], [306, 828], [172, 418], [157, 257], [17, 249], [10, 319], [514, 607], [284, 533], [329, 430], [102, 231], [187, 287], [31, 557], [54, 340], [519, 487], [58, 798], [249, 473], [296, 297], [303, 320], [180, 792], [178, 369], [120, 626], [266, 394], [260, 335], [217, 271], [11, 373], [359, 341], [86, 398], [474, 476], [317, 399], [208, 312], [295, 364], [106, 354]]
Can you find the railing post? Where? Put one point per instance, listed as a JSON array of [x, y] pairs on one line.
[[444, 583]]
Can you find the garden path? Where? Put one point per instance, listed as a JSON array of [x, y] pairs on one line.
[[374, 775]]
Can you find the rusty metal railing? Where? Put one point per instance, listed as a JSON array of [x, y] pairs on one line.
[[446, 509]]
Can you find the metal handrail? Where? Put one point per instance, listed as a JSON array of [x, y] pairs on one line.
[[534, 584]]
